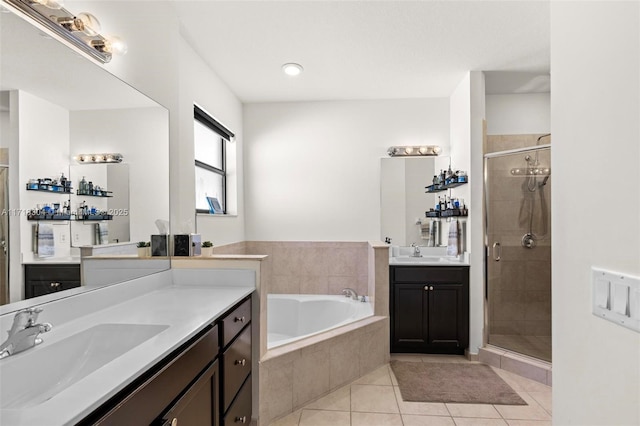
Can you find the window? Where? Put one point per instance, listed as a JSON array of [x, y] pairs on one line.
[[209, 140]]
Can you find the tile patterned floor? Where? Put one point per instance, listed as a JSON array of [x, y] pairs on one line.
[[374, 400]]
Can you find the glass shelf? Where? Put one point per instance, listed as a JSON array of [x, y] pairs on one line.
[[440, 188], [103, 194], [54, 189]]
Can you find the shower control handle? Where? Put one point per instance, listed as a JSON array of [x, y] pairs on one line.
[[497, 251]]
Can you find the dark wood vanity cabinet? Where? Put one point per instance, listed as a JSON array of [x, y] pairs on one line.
[[429, 309], [44, 279], [207, 381]]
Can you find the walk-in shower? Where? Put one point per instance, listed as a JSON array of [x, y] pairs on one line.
[[518, 241]]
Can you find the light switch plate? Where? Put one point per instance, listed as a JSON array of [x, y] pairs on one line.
[[616, 297]]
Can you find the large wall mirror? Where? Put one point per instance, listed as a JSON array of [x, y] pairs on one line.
[[55, 105], [403, 198]]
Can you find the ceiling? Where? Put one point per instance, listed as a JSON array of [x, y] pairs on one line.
[[364, 49]]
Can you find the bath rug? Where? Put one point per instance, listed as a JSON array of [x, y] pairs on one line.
[[453, 382]]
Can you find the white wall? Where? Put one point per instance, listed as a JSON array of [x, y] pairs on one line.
[[594, 121], [43, 151], [199, 85], [467, 115], [516, 114], [312, 169]]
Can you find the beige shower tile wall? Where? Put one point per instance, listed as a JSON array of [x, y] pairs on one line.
[[496, 143], [290, 381], [314, 267]]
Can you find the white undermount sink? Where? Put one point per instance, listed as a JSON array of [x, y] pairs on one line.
[[425, 260], [39, 373]]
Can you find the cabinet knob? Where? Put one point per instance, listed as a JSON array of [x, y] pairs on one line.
[[239, 419], [428, 287], [431, 288], [240, 361], [174, 421], [238, 319], [54, 285]]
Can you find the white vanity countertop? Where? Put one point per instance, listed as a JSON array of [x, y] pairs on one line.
[[52, 260], [184, 309]]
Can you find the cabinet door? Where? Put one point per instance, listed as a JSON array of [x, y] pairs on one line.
[[39, 288], [447, 315], [198, 405], [409, 325]]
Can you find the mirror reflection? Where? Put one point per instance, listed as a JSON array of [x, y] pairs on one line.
[[404, 200], [101, 203], [54, 105]]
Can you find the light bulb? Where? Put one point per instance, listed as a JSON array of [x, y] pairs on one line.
[[423, 150], [115, 45], [408, 150], [51, 4], [90, 24], [292, 69], [436, 150]]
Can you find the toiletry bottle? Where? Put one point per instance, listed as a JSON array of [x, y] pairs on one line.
[[82, 186]]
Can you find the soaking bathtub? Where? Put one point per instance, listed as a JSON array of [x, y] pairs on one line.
[[291, 317]]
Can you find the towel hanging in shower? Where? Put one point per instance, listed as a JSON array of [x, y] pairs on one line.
[[454, 247]]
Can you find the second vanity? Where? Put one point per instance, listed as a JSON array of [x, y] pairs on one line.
[[146, 352], [428, 301]]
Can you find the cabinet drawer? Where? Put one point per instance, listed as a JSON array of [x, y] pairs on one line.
[[428, 274], [52, 272], [233, 323], [240, 411], [236, 365]]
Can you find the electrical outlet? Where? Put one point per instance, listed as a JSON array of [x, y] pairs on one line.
[[616, 297]]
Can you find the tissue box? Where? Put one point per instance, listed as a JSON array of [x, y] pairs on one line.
[[196, 244], [181, 245], [159, 245]]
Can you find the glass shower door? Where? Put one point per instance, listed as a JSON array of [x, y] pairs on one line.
[[4, 235], [518, 239]]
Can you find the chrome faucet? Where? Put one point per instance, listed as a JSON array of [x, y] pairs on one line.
[[349, 292], [24, 332], [416, 250]]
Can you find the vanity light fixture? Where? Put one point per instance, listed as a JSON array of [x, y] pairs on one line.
[[98, 158], [292, 69], [414, 151], [82, 31]]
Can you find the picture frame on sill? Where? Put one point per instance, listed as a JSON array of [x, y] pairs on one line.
[[214, 206]]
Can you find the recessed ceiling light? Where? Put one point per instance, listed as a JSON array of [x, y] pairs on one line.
[[292, 69]]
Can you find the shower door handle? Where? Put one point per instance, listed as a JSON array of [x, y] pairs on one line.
[[497, 251]]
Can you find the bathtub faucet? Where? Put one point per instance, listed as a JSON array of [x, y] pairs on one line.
[[349, 292]]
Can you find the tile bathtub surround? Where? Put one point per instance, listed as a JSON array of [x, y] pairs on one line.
[[295, 378], [374, 399]]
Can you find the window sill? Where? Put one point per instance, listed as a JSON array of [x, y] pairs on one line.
[[215, 215]]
